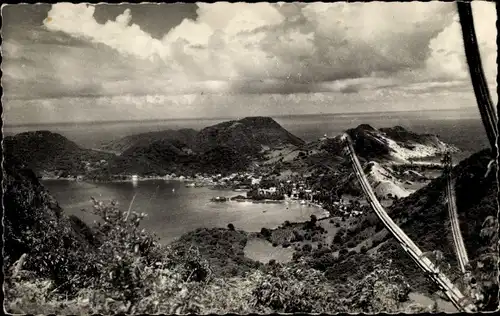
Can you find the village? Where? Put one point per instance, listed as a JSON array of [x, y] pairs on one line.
[[257, 186], [268, 189]]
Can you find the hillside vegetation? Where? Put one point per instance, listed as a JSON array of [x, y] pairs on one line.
[[58, 265], [184, 136], [226, 147], [423, 216], [50, 153]]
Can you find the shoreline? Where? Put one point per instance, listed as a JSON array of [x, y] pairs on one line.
[[179, 179], [205, 183]]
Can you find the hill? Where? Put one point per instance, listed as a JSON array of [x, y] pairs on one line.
[[423, 216], [389, 155], [155, 158], [221, 148], [206, 271], [248, 136], [163, 156], [52, 154], [184, 136], [36, 226], [344, 247], [385, 146], [397, 144]]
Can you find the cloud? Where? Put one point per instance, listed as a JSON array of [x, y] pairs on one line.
[[447, 57], [147, 107], [298, 43], [353, 51]]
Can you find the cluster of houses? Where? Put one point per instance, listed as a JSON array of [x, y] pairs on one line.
[[298, 190], [270, 188], [90, 166], [238, 181]]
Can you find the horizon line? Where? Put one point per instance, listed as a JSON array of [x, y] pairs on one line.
[[5, 124]]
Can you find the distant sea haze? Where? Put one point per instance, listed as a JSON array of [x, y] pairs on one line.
[[461, 127]]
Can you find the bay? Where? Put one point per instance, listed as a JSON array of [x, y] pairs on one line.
[[173, 209]]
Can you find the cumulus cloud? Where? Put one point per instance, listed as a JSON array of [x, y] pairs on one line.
[[294, 43], [447, 57], [304, 56]]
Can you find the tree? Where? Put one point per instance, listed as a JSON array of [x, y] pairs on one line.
[[230, 227], [265, 232], [314, 219], [307, 248]]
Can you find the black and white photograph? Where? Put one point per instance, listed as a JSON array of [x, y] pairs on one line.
[[233, 157]]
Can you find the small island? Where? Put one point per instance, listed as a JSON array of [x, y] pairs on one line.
[[218, 199]]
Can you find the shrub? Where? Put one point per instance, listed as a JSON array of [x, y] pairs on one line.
[[286, 244], [230, 227], [275, 244], [294, 290], [313, 220], [307, 248], [265, 232], [296, 255], [351, 244]]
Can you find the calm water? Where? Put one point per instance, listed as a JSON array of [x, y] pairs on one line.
[[173, 213]]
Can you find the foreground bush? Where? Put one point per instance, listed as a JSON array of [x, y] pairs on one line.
[[126, 267], [135, 275]]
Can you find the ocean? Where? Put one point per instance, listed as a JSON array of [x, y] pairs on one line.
[[174, 210], [462, 128]]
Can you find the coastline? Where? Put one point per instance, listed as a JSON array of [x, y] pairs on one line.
[[128, 179], [203, 183]]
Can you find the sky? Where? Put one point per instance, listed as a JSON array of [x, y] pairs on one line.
[[79, 62]]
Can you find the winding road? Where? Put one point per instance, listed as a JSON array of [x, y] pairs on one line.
[[461, 302], [460, 249]]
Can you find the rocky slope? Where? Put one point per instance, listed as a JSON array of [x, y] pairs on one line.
[[385, 146], [396, 144], [344, 248], [384, 182], [424, 217], [389, 155]]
